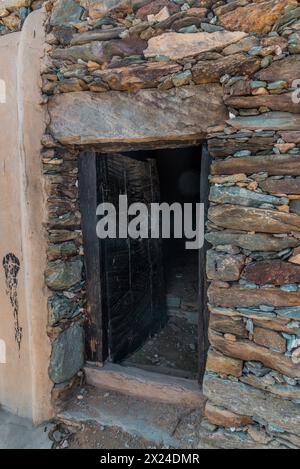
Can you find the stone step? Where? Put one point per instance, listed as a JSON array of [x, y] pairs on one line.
[[148, 385], [162, 370], [157, 423]]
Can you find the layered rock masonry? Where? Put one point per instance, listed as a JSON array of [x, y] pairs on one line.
[[253, 264], [131, 45], [252, 50], [253, 229], [13, 13], [64, 276]]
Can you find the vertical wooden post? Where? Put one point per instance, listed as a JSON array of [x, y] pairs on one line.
[[96, 343], [203, 343]]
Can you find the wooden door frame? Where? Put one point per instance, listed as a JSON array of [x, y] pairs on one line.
[[203, 317], [96, 326], [96, 329]]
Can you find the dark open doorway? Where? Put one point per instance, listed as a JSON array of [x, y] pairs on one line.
[[146, 298], [173, 349]]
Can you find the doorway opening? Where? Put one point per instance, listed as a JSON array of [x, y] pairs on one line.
[[145, 296], [173, 349]]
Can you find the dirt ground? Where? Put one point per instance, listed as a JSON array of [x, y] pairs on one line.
[[96, 419], [174, 349], [91, 436]]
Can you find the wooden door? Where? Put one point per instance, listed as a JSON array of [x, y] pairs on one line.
[[126, 293]]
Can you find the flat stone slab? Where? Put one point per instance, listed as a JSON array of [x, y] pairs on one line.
[[267, 121], [281, 102], [241, 196], [254, 219], [224, 267], [101, 51], [287, 69], [219, 363], [274, 165], [183, 113], [136, 77], [178, 46], [281, 186], [258, 17], [217, 149], [210, 71], [252, 242], [240, 398], [240, 297], [226, 439], [275, 272], [291, 137], [247, 350]]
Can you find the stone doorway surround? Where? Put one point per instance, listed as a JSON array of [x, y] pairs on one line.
[[85, 124], [253, 375]]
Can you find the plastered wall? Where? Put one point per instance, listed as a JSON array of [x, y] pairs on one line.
[[24, 345]]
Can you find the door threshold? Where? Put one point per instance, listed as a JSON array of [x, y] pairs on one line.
[[161, 370], [148, 385], [132, 422]]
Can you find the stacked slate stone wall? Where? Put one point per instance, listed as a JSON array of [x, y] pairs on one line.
[[13, 13], [64, 276], [252, 380], [251, 48]]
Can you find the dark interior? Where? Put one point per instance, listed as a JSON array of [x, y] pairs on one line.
[[173, 349], [146, 296]]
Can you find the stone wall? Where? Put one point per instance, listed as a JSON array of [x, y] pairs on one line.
[[252, 380], [64, 275], [13, 14], [251, 49]]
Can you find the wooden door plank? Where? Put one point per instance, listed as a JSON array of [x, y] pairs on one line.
[[96, 336], [134, 278]]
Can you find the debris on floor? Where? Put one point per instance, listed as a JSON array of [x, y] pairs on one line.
[[92, 436], [173, 350], [112, 420], [60, 436]]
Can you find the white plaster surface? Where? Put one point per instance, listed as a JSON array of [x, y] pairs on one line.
[[24, 383]]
